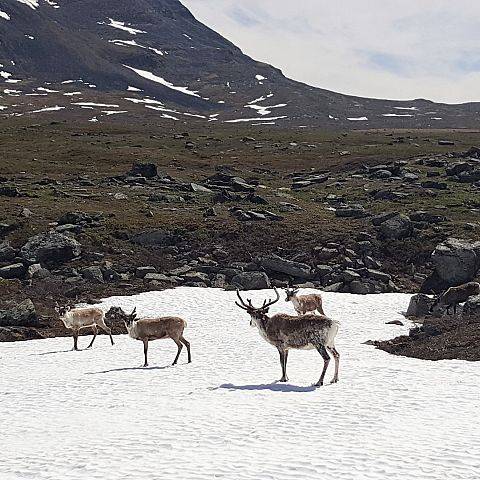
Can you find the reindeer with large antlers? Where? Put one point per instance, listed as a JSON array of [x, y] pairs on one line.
[[286, 332]]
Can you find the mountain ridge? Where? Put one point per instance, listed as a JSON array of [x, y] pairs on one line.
[[159, 51]]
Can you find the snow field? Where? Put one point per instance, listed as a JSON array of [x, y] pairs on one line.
[[95, 414]]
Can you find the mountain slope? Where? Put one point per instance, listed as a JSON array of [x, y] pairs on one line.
[[176, 66]]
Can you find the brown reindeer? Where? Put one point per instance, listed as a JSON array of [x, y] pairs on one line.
[[304, 304], [455, 295], [147, 329], [286, 332], [77, 319]]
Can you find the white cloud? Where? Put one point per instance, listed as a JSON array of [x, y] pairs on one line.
[[373, 48]]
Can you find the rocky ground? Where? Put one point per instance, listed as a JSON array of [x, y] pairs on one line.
[[90, 211]]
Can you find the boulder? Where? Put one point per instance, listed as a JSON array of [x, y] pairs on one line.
[[93, 273], [432, 184], [7, 252], [278, 264], [419, 306], [147, 170], [353, 211], [79, 218], [19, 315], [160, 238], [396, 228], [251, 281], [456, 261], [472, 307], [469, 177], [51, 249], [458, 168], [427, 217], [140, 272], [16, 270]]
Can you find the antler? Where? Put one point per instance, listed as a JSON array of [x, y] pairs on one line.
[[242, 304], [271, 302]]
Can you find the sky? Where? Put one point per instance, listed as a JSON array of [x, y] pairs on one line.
[[397, 49]]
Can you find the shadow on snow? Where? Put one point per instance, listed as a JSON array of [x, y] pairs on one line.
[[274, 387]]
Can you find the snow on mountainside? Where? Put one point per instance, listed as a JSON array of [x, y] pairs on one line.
[[97, 414], [156, 48]]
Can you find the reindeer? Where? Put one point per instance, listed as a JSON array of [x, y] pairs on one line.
[[79, 318], [147, 329], [455, 295], [304, 304], [286, 332]]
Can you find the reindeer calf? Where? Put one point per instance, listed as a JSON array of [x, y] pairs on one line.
[[147, 329], [304, 304], [79, 318], [455, 295]]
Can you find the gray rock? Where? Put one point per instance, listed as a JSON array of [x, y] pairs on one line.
[[472, 307], [334, 287], [196, 277], [419, 306], [456, 261], [434, 185], [349, 276], [251, 280], [353, 211], [469, 177], [359, 287], [383, 217], [380, 276], [19, 315], [140, 272], [458, 168], [93, 273], [51, 249], [37, 271], [396, 228], [7, 252], [16, 270], [156, 277], [280, 265], [147, 170], [160, 238], [422, 216], [219, 281], [200, 188]]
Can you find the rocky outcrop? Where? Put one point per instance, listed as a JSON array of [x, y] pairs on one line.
[[278, 264], [51, 249], [19, 315], [251, 281], [419, 306]]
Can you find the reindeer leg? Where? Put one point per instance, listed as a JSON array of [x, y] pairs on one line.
[[145, 351], [283, 363], [326, 360], [336, 357], [187, 344], [107, 330], [75, 339], [180, 346], [95, 331]]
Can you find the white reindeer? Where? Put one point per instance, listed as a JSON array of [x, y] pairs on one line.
[[304, 304], [77, 319]]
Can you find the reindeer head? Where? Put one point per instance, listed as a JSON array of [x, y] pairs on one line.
[[291, 293], [62, 311], [117, 314], [257, 313]]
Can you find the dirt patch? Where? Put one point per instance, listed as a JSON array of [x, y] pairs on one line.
[[439, 339]]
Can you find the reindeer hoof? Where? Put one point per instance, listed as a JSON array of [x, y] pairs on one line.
[[319, 384], [335, 380], [283, 380]]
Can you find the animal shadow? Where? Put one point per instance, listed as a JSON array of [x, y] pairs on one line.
[[273, 387]]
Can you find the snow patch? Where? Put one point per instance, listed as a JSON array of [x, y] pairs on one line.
[[133, 89], [4, 15], [133, 43], [154, 78], [406, 108], [265, 110], [48, 109], [121, 26], [239, 120], [396, 115], [92, 104], [358, 119], [260, 77], [97, 414]]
